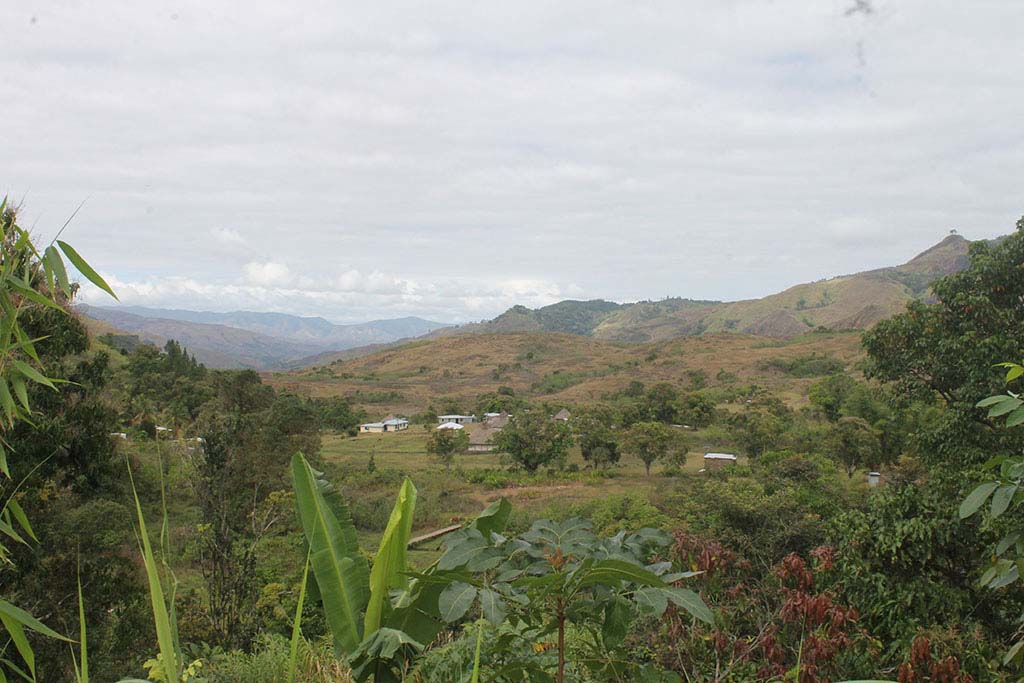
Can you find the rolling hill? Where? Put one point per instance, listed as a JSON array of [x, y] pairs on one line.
[[849, 302], [558, 367]]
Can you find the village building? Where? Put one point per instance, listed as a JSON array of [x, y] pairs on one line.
[[388, 424], [496, 420], [450, 425], [717, 461], [457, 419], [481, 439]]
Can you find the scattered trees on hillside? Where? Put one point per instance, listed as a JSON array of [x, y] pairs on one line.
[[443, 444], [533, 439]]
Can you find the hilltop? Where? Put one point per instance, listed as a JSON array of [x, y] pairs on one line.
[[849, 302]]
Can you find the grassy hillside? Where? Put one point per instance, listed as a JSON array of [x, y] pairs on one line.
[[849, 302], [557, 367]]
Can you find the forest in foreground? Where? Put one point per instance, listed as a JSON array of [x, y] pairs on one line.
[[163, 521]]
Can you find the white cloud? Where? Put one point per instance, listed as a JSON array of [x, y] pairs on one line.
[[268, 273], [463, 157], [227, 236]]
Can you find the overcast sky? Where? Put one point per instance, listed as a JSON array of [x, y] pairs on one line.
[[449, 160]]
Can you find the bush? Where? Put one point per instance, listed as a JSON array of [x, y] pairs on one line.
[[268, 663]]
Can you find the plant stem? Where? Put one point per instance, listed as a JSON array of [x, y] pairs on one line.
[[561, 643]]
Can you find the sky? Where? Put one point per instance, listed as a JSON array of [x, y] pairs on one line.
[[449, 160]]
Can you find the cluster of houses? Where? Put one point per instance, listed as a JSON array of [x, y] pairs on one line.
[[483, 430]]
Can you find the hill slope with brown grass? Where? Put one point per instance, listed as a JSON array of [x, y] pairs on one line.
[[558, 368]]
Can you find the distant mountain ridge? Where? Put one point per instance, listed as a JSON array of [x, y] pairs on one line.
[[277, 340], [253, 339]]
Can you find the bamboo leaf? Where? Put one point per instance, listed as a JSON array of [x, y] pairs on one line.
[[84, 268], [33, 374], [21, 517], [17, 633], [389, 566], [162, 621], [83, 670], [22, 617], [18, 384], [56, 264]]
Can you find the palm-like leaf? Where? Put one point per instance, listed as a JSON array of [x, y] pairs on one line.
[[389, 566], [341, 572]]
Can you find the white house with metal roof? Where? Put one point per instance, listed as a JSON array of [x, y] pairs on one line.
[[457, 419], [390, 424]]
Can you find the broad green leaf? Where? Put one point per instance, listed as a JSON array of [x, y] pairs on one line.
[[691, 602], [84, 268], [615, 627], [1015, 418], [977, 498], [613, 572], [651, 600], [1001, 499], [341, 573], [494, 518], [455, 601], [389, 566], [462, 551], [1007, 406], [492, 606], [1014, 372], [991, 401]]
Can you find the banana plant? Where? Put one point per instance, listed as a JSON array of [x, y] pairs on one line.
[[382, 616]]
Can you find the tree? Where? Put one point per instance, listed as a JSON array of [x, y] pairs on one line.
[[445, 443], [758, 432], [648, 441], [595, 432], [948, 350], [854, 443], [661, 400], [696, 410], [533, 439]]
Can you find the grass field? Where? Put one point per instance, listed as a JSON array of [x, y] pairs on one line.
[[453, 497]]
